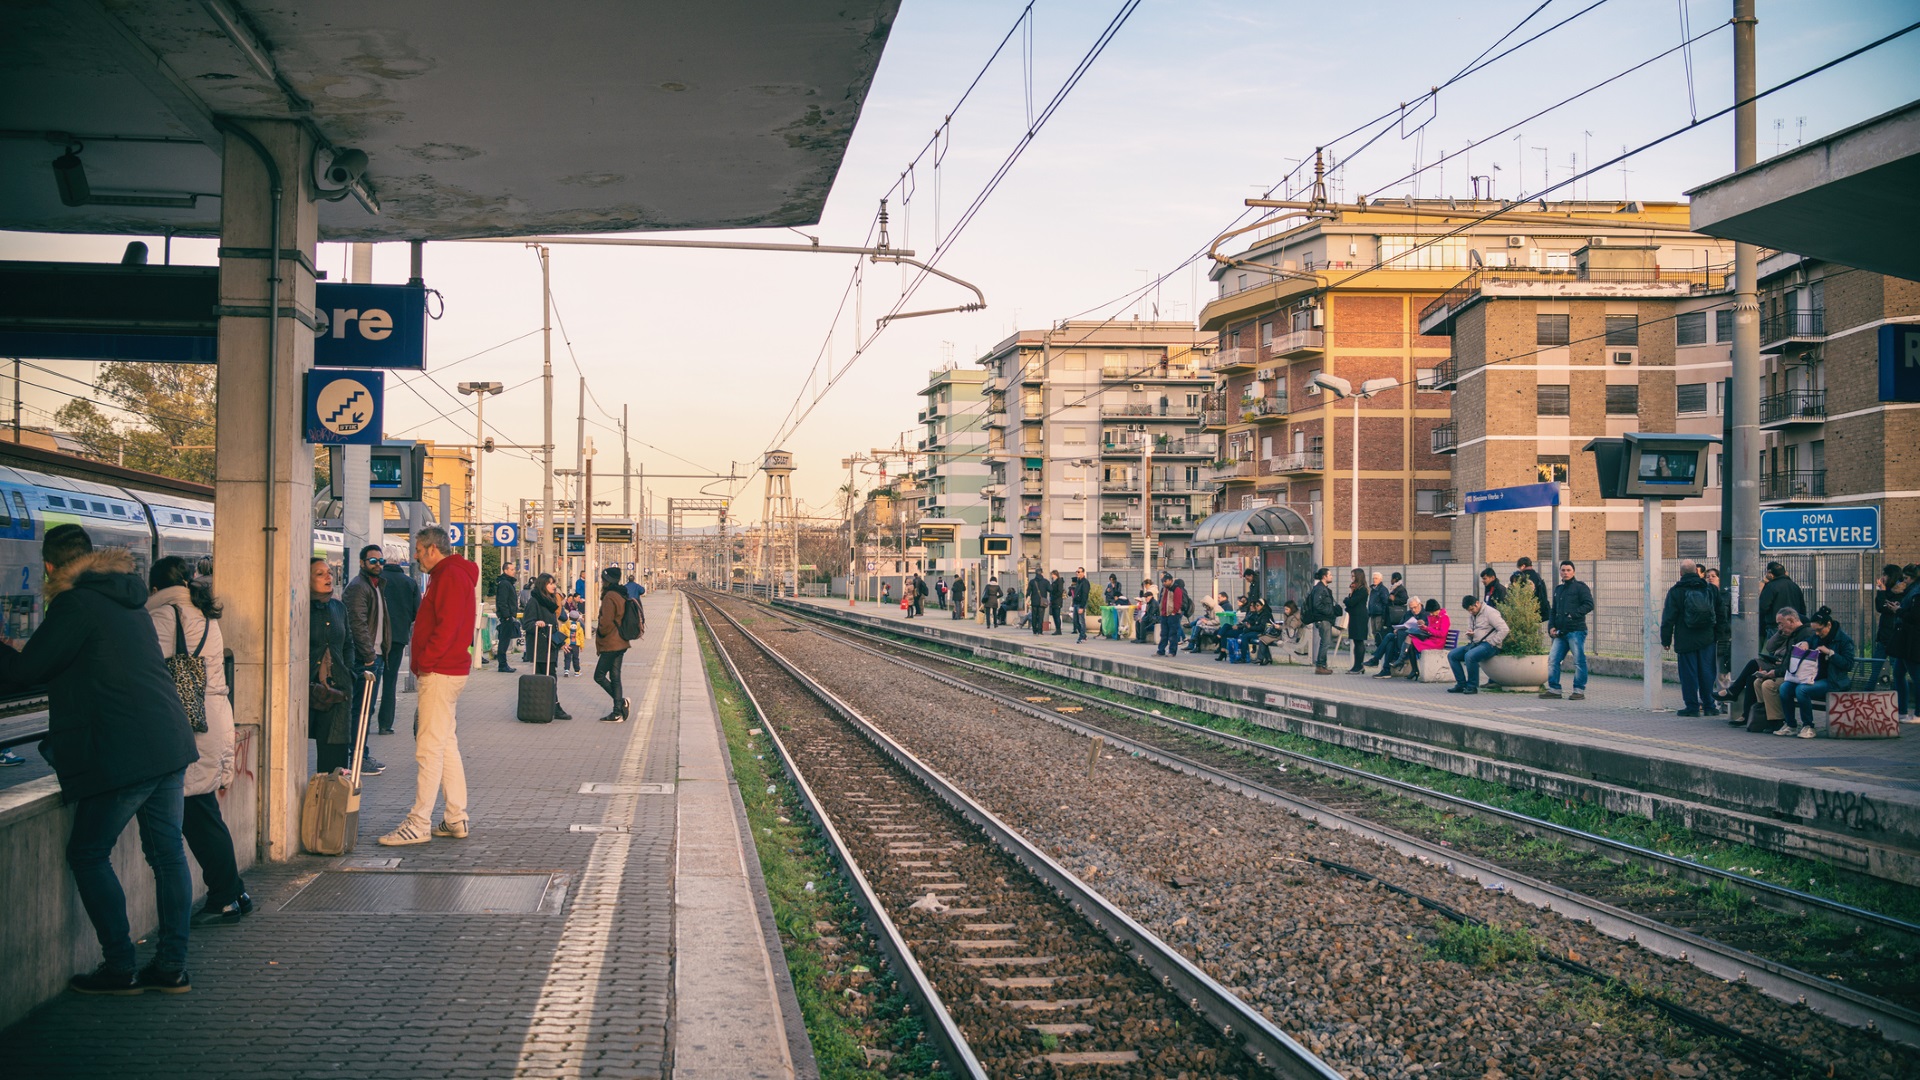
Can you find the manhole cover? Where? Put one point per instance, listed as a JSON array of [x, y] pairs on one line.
[[599, 828], [626, 789], [427, 892]]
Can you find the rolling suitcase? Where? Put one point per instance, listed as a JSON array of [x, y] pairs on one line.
[[330, 813], [540, 694]]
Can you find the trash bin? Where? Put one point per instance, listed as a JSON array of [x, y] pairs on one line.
[[1110, 622]]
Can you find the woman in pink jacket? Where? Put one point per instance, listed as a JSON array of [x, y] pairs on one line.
[[1435, 636]]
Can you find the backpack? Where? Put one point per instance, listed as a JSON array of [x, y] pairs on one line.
[[1186, 602], [1697, 609], [630, 628], [189, 673]]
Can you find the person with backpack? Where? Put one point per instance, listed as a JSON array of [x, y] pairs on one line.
[[622, 622], [940, 589], [1056, 600], [1082, 592], [1321, 610], [187, 622], [990, 604], [959, 593], [1037, 593], [120, 742], [506, 607], [1174, 604], [1688, 625]]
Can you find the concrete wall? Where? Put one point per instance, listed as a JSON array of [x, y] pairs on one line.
[[45, 936]]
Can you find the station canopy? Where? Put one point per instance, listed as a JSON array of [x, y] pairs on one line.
[[1266, 526], [478, 117]]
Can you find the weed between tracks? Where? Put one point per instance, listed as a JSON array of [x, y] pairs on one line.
[[847, 997]]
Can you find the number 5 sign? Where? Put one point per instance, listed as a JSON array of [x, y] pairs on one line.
[[506, 534]]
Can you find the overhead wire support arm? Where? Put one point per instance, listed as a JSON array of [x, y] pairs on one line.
[[649, 241], [935, 271]]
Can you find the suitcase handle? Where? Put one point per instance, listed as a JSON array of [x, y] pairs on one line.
[[360, 734]]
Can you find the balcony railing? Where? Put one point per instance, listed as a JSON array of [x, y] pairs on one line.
[[1030, 525], [1445, 375], [1169, 447], [1160, 487], [1447, 503], [1231, 361], [1793, 486], [1793, 324], [1233, 470], [1299, 343], [1032, 487], [1151, 410], [1300, 461], [1266, 408], [1450, 302], [1794, 407], [1443, 439]]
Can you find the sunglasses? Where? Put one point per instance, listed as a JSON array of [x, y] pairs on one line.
[[375, 562]]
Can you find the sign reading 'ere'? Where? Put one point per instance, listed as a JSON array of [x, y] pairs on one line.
[[371, 326]]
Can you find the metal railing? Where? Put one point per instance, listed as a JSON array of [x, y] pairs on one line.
[[1170, 447], [1797, 484], [1152, 410], [1445, 375], [1793, 323], [1707, 277], [1233, 470], [1266, 408], [1443, 439], [1300, 461], [1299, 342], [1794, 405], [1235, 359]]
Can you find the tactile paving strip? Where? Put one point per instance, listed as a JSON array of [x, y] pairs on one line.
[[420, 892]]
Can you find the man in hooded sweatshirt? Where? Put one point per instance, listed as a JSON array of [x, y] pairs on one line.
[[118, 738]]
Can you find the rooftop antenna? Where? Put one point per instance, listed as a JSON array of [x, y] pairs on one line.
[[1779, 132], [1799, 130]]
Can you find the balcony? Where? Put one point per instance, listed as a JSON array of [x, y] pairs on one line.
[[1794, 407], [1446, 375], [1299, 462], [1300, 344], [995, 451], [993, 491], [1161, 448], [1793, 326], [1170, 526], [1797, 486], [1444, 438], [1213, 411], [1032, 487], [995, 419], [1235, 361], [1447, 503], [1228, 471], [1161, 486], [1030, 526], [1143, 410], [1266, 410]]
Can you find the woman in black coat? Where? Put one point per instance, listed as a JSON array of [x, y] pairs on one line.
[[329, 723], [544, 629], [1356, 605]]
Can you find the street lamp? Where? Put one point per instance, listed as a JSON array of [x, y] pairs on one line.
[[1086, 466], [1341, 388], [481, 447]]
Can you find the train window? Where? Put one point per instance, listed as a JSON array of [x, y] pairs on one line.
[[120, 511], [99, 508], [20, 508], [176, 518], [17, 615], [6, 519], [55, 500]]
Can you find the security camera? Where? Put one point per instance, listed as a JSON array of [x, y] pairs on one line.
[[334, 171]]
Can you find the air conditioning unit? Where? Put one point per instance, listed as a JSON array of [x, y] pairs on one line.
[[1319, 318], [1624, 356], [1596, 241], [1516, 241]]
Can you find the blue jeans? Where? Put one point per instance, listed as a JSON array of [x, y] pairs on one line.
[[1804, 695], [1466, 659], [98, 821], [1906, 682], [1169, 643], [1575, 640], [1697, 674]]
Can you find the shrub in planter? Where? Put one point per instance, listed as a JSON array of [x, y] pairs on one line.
[[1522, 660]]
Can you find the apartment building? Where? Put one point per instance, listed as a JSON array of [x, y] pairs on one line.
[[1340, 290], [1093, 435], [1819, 339], [954, 422], [1630, 338]]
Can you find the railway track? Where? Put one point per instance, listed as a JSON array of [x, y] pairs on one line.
[[1021, 969], [1658, 901]]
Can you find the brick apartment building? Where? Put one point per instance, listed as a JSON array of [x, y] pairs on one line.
[[1310, 299]]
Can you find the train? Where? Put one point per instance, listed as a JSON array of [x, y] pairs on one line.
[[152, 522]]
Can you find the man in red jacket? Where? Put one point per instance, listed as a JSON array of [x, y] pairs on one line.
[[442, 635]]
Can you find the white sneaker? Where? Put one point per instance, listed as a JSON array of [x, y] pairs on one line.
[[409, 832], [1807, 732], [1785, 730], [454, 830]]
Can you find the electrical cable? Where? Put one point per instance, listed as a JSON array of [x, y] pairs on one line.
[[143, 407]]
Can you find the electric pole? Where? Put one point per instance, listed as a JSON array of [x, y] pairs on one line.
[[549, 556], [1743, 455]]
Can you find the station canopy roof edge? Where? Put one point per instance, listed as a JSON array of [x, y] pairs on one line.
[[478, 118], [1265, 526]]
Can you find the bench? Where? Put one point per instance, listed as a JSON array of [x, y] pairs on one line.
[[1433, 662]]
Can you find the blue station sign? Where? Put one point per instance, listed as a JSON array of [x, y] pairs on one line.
[[371, 326], [1826, 528], [343, 407], [1900, 362], [1522, 497]]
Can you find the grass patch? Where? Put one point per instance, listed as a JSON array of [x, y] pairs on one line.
[[1482, 945], [849, 1000]]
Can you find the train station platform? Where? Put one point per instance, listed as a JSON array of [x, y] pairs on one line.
[[1851, 803], [605, 918]]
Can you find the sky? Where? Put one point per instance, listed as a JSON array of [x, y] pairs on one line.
[[1193, 107]]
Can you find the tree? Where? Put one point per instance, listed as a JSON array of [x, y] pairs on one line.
[[161, 419]]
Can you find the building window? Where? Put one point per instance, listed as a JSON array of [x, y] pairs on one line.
[[1690, 397], [1553, 399], [1076, 436], [1233, 339], [1623, 329], [1428, 501], [1690, 544], [1076, 361], [1073, 510], [1723, 325], [1623, 399], [1552, 468], [1440, 555], [1423, 378], [1690, 328], [1266, 333], [1543, 553], [1550, 329], [1623, 544]]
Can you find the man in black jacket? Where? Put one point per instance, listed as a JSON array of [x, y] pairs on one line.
[[1523, 568], [1056, 600], [403, 602], [1567, 626], [506, 605], [1778, 592], [117, 736], [1082, 592], [369, 631], [1037, 594], [1687, 626], [1320, 611]]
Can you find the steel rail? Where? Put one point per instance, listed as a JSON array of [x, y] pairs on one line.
[[1836, 1001], [940, 1025], [1266, 1044], [1778, 897]]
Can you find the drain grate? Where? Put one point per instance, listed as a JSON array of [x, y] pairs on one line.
[[429, 892], [626, 789]]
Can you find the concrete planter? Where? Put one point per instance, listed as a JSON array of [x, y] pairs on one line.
[[1516, 672]]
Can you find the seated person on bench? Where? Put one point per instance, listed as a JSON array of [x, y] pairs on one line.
[[1251, 625]]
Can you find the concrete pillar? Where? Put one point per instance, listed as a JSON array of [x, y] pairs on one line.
[[262, 544]]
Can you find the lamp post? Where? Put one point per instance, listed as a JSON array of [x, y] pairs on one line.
[[480, 390], [1086, 466], [1341, 388]]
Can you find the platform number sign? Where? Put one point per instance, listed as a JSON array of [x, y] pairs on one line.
[[456, 536], [505, 534], [343, 407]]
